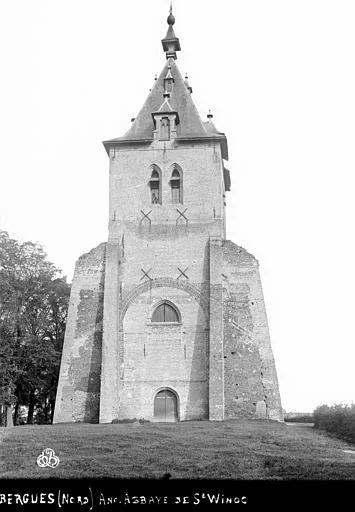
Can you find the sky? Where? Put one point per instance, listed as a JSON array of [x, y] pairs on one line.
[[279, 78]]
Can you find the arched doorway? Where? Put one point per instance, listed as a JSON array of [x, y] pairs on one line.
[[165, 406]]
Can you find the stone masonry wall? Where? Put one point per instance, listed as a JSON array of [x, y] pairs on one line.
[[78, 392], [216, 360], [250, 379]]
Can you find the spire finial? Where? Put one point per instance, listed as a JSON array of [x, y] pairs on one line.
[[171, 18], [171, 43]]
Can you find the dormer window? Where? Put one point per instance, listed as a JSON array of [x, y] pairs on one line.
[[165, 121], [164, 128], [155, 187], [168, 82], [176, 186]]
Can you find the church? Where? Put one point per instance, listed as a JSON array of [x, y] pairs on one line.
[[166, 319]]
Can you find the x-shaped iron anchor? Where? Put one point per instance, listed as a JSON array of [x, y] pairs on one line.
[[146, 274], [146, 215], [182, 273], [182, 214]]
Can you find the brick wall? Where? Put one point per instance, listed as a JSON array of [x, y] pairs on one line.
[[250, 379], [157, 249], [165, 356], [218, 359], [78, 392]]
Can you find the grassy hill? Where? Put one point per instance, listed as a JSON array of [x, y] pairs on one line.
[[237, 449]]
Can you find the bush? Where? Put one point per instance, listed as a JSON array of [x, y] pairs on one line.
[[338, 419], [130, 420], [302, 418], [124, 420]]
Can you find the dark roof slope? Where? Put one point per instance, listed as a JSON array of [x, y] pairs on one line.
[[180, 101], [190, 123]]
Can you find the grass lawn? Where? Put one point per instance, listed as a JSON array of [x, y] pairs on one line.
[[238, 449]]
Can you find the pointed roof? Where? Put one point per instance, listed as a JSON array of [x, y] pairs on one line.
[[180, 101], [190, 124]]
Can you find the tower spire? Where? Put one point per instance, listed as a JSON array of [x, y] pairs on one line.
[[171, 43]]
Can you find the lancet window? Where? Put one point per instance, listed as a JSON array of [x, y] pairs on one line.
[[155, 186], [176, 186]]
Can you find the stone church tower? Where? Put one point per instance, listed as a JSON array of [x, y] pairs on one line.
[[167, 319]]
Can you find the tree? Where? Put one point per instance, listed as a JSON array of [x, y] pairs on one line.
[[33, 309], [57, 299], [8, 374]]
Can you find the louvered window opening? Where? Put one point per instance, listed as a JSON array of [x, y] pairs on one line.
[[165, 313], [175, 183], [155, 188]]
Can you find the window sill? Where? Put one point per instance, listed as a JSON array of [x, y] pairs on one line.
[[165, 324]]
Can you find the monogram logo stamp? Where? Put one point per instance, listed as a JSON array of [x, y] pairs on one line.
[[48, 459]]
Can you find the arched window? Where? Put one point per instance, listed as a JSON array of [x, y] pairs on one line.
[[155, 186], [176, 186], [165, 312]]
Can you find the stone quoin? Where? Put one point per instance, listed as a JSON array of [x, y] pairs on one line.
[[167, 320]]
